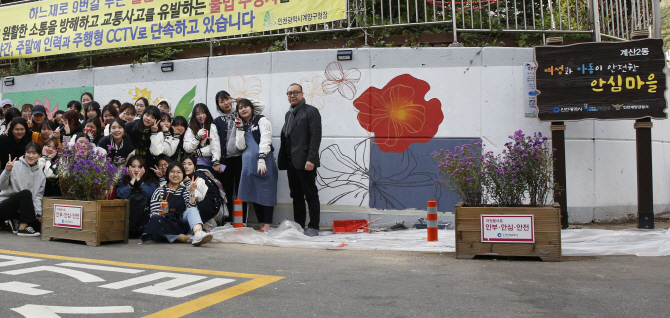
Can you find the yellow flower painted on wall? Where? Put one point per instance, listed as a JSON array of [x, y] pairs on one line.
[[242, 87], [139, 93], [313, 91]]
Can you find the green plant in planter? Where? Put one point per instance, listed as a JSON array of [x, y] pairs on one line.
[[462, 172], [523, 172], [87, 174]]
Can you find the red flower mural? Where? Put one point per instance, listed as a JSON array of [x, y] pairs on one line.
[[398, 114]]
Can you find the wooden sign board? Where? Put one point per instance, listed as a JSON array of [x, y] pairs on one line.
[[605, 80]]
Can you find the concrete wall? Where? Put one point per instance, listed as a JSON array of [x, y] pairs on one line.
[[467, 94]]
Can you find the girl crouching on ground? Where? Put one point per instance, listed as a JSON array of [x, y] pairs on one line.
[[137, 186], [173, 211], [21, 190]]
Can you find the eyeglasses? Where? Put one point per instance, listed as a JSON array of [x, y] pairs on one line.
[[293, 93]]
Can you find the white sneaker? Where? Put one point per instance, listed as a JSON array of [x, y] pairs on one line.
[[201, 238]]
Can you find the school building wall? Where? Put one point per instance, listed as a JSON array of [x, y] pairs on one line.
[[457, 95]]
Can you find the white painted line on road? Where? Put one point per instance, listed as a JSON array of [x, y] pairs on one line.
[[81, 276], [102, 268], [23, 288], [16, 260], [38, 311], [161, 289]]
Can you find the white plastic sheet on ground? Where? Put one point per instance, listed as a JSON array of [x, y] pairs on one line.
[[578, 242]]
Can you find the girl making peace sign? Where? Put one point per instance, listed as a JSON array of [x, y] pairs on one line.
[[174, 213], [21, 190]]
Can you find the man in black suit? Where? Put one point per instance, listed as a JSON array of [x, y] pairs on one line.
[[299, 155]]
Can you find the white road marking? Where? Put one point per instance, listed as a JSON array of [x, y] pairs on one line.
[[102, 268], [81, 276], [38, 311], [16, 260], [162, 289], [23, 288]]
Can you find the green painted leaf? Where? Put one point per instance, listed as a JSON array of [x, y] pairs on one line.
[[185, 105], [268, 17]]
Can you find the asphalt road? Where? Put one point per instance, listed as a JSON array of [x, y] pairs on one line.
[[282, 282]]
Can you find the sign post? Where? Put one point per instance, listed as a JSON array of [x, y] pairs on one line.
[[606, 81]]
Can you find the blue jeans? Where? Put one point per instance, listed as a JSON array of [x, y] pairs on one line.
[[190, 216]]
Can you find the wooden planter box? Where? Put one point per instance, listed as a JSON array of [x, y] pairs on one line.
[[101, 221], [547, 233]]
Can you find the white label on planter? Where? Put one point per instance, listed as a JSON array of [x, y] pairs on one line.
[[68, 216], [508, 228]]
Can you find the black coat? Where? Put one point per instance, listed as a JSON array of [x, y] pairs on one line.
[[305, 138]]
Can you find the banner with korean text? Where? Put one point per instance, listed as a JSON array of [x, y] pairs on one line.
[[65, 26]]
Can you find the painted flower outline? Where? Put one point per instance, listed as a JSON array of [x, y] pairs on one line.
[[398, 114], [313, 91], [244, 87], [338, 80]]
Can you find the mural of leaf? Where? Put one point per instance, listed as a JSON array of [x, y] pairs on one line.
[[185, 104]]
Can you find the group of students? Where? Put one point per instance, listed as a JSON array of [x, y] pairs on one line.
[[179, 172]]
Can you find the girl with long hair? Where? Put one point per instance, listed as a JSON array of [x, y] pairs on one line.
[[9, 116], [208, 196], [140, 105], [179, 127], [146, 136], [21, 191], [85, 99], [127, 112], [71, 125], [93, 130], [231, 157], [48, 129], [47, 163], [259, 169], [174, 213], [76, 106], [202, 139], [117, 143], [93, 110], [15, 141], [137, 186], [109, 113]]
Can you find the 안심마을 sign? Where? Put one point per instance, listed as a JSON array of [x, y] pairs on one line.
[[68, 216], [605, 80], [508, 228]]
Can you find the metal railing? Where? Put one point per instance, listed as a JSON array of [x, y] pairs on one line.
[[619, 18]]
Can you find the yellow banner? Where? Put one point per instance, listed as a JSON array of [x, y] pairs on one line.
[[66, 26]]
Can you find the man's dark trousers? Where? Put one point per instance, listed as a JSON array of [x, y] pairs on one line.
[[302, 184]]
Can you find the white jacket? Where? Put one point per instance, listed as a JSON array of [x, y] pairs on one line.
[[200, 191], [48, 167], [212, 150], [170, 144], [264, 147]]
